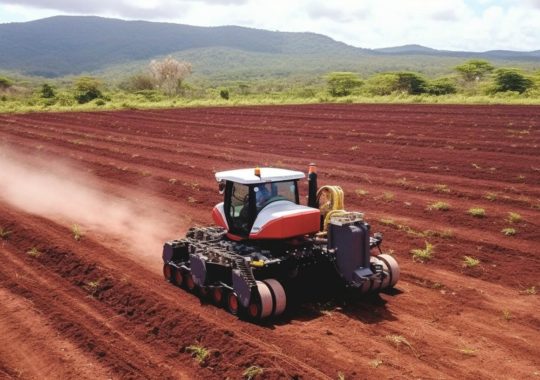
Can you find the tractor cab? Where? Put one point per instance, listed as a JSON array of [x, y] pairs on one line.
[[263, 203]]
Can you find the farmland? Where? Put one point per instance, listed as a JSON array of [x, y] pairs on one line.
[[90, 302]]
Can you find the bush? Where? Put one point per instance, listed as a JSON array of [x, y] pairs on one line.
[[87, 89], [224, 93], [138, 82], [47, 91], [442, 86], [150, 95], [64, 100], [5, 83], [511, 80]]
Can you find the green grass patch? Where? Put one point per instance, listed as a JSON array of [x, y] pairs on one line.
[[439, 205], [477, 212], [4, 233], [198, 352], [509, 231], [423, 254], [441, 188], [531, 291], [507, 315], [252, 372], [514, 217], [76, 232], [33, 252], [491, 196], [470, 262], [361, 192], [467, 351]]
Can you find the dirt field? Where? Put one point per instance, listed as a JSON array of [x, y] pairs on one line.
[[98, 307]]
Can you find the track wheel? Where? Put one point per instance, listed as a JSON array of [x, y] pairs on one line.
[[217, 295], [190, 284], [254, 309], [178, 277], [391, 267], [233, 304], [263, 305], [278, 295], [167, 272]]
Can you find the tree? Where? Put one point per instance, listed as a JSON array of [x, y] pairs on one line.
[[169, 74], [410, 83], [474, 69], [511, 80], [47, 91], [404, 82], [342, 83], [87, 89]]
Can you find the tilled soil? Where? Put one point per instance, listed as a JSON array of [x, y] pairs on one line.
[[98, 307]]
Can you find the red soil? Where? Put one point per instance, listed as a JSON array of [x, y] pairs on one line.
[[98, 307]]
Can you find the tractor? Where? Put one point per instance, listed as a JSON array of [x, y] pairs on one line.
[[267, 250]]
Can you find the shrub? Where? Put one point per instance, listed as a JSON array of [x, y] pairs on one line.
[[87, 89], [47, 91], [150, 95], [5, 83], [511, 80], [442, 86], [138, 82], [224, 93]]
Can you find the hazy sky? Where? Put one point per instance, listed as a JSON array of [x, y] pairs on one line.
[[477, 25]]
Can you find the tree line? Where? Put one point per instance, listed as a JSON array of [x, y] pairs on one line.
[[472, 76], [166, 78]]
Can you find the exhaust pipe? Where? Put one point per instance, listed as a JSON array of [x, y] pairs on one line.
[[312, 189]]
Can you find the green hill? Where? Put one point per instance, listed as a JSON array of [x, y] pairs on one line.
[[71, 45]]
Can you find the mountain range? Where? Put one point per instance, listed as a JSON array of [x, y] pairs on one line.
[[71, 45]]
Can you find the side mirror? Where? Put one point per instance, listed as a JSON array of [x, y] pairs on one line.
[[221, 187]]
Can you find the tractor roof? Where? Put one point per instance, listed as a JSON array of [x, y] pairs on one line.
[[247, 176]]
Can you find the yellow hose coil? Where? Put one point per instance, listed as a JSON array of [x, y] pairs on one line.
[[331, 202]]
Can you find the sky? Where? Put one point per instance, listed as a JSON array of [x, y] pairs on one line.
[[470, 25]]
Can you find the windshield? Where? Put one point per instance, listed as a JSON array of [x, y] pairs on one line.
[[266, 193]]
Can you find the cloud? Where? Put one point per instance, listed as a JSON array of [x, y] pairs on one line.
[[149, 9], [335, 13], [476, 25]]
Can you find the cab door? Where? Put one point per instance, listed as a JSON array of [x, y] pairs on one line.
[[238, 204]]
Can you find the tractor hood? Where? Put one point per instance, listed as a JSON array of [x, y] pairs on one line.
[[285, 219]]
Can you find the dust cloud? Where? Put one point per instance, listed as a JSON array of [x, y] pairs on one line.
[[62, 192]]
